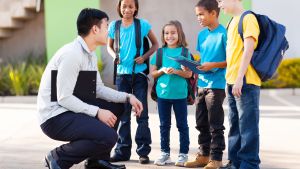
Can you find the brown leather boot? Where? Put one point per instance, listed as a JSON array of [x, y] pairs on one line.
[[200, 161], [213, 164]]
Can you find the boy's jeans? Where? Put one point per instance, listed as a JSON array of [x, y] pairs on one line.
[[180, 110], [142, 135], [209, 122], [243, 137]]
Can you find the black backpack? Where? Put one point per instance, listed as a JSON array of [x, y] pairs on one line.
[[146, 45], [192, 81]]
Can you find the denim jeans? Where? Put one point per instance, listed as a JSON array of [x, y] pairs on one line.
[[243, 137], [142, 136], [209, 121], [164, 111]]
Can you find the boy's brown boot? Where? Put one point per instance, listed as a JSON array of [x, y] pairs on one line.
[[213, 164], [200, 161]]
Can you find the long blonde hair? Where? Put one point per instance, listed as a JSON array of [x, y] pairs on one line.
[[181, 36]]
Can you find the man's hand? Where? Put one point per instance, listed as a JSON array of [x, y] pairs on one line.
[[136, 104], [139, 60], [107, 117]]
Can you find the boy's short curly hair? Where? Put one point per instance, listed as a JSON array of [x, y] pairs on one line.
[[209, 5]]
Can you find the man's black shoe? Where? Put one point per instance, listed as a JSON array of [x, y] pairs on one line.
[[101, 164], [229, 165], [116, 158], [144, 160], [51, 162]]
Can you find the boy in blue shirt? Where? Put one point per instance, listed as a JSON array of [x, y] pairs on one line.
[[211, 93]]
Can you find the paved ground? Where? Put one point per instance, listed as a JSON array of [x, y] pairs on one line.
[[23, 145]]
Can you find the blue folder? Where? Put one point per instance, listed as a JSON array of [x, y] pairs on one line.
[[192, 65]]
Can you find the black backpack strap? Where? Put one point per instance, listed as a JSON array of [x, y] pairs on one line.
[[117, 48], [185, 52], [240, 26], [138, 35], [229, 23], [159, 54]]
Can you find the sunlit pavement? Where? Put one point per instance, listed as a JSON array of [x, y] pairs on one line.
[[23, 145]]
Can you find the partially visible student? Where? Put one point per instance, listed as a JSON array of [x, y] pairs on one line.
[[211, 87], [128, 10], [88, 127], [172, 91], [243, 89]]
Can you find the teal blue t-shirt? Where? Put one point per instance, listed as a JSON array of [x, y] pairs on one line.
[[128, 46], [170, 86], [212, 48]]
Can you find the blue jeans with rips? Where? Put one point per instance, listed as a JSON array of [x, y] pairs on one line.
[[142, 136], [243, 137]]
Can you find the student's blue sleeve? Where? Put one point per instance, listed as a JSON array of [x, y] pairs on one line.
[[224, 39], [153, 60], [198, 42], [146, 27], [111, 30]]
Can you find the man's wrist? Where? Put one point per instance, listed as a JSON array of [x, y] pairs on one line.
[[128, 98]]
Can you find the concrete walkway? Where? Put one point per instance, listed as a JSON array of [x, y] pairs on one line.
[[23, 145]]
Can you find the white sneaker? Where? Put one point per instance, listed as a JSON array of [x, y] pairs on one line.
[[163, 159], [182, 158]]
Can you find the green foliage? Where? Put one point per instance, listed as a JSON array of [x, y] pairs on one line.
[[21, 78], [288, 75], [4, 81]]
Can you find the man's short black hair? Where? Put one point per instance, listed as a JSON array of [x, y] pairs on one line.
[[87, 18], [209, 5]]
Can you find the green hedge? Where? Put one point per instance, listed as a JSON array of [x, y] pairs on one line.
[[287, 76], [23, 78]]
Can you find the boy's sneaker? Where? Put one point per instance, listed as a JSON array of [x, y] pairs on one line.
[[213, 164], [200, 161], [163, 159], [182, 158], [229, 165]]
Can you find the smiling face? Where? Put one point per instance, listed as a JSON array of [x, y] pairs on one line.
[[204, 17], [128, 9], [171, 36], [226, 6]]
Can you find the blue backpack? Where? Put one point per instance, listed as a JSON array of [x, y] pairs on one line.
[[271, 47]]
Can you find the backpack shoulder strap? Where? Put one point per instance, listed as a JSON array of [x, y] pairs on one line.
[[240, 26], [137, 27], [159, 54], [117, 36], [185, 52]]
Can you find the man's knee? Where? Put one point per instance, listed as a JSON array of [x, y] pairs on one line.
[[109, 139]]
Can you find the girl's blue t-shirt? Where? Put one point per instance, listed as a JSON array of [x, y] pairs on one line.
[[170, 86], [212, 48], [128, 46]]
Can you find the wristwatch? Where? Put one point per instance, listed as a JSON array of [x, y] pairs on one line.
[[128, 98]]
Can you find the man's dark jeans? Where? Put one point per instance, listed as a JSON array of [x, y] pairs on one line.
[[87, 136], [143, 136], [243, 137], [209, 122]]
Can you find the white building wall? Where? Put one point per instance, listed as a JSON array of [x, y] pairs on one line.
[[287, 13]]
